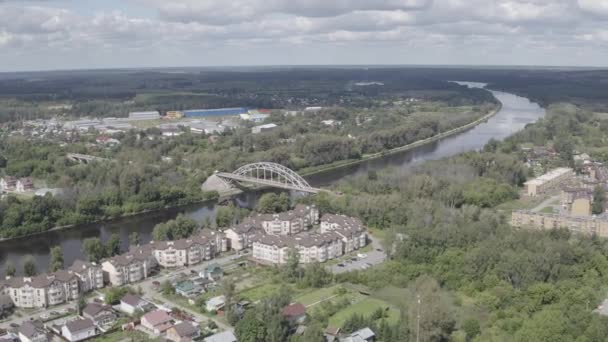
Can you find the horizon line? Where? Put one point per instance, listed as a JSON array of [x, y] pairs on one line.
[[270, 66]]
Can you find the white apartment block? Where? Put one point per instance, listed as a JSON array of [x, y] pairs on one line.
[[338, 235], [42, 291], [90, 275], [126, 269]]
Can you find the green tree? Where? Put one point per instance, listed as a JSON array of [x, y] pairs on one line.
[[549, 325], [113, 245], [292, 267], [167, 289], [599, 200], [471, 328], [56, 262], [134, 239], [430, 311], [271, 203], [29, 266], [9, 269], [250, 329], [93, 249]]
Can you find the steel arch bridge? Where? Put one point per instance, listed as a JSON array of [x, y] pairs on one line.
[[269, 174]]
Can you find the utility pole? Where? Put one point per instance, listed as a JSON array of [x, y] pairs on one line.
[[418, 320]]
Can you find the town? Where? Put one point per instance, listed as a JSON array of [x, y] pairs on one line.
[[261, 239]]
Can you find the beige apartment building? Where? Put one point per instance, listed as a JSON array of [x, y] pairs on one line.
[[42, 291], [90, 275], [338, 235], [589, 225], [183, 252], [126, 268], [551, 180], [577, 201]]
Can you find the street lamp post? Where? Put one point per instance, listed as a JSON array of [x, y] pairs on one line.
[[418, 320]]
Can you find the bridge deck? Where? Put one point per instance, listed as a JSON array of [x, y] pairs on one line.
[[267, 182]]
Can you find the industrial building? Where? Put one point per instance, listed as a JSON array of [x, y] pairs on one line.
[[214, 112], [263, 128], [152, 115]]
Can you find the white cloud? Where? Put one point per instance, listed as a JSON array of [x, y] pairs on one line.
[[196, 26]]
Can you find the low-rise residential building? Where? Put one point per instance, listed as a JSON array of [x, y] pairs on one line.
[[188, 288], [362, 335], [90, 275], [130, 303], [183, 252], [338, 235], [127, 268], [590, 225], [33, 331], [43, 290], [102, 315], [8, 183], [294, 313], [215, 303], [225, 336], [239, 236], [549, 181], [182, 332], [577, 201], [157, 321], [24, 185], [79, 329]]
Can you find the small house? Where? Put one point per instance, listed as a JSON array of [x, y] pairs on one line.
[[295, 313], [215, 303], [212, 272], [79, 329], [226, 336], [187, 288], [363, 335], [33, 331], [24, 184], [102, 315], [131, 303], [157, 321], [183, 330]]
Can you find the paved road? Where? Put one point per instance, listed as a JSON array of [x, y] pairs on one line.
[[374, 257], [548, 203]]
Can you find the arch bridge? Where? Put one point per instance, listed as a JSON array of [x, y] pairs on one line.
[[269, 174]]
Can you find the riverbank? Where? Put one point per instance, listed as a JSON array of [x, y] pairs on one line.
[[304, 172], [345, 163]]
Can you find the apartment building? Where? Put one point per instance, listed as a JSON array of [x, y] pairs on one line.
[[239, 236], [183, 252], [589, 225], [338, 235], [577, 201], [127, 268], [549, 181], [42, 291], [90, 275]]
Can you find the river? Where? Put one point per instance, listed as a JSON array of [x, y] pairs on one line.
[[515, 114]]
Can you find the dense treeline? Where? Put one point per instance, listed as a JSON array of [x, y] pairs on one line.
[[501, 284]]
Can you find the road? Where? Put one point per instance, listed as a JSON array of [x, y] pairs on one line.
[[374, 257], [548, 203]]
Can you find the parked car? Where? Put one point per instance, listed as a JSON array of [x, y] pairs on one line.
[[340, 265], [362, 256]]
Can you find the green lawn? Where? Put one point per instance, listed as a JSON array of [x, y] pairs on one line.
[[317, 295], [547, 210], [124, 336], [364, 307]]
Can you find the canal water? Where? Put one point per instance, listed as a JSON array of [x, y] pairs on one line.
[[515, 114]]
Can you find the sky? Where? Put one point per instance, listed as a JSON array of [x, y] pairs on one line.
[[91, 34]]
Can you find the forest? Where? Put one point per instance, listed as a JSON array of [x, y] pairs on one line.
[[147, 171], [443, 225]]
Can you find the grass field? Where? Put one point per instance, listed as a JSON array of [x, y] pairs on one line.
[[364, 307], [124, 336], [317, 295]]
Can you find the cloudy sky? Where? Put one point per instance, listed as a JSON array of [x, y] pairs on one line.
[[74, 34]]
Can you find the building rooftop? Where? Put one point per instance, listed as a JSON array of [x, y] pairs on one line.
[[294, 310], [549, 176], [157, 317], [79, 325]]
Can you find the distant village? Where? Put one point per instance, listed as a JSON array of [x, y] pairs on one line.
[[270, 238], [569, 197]]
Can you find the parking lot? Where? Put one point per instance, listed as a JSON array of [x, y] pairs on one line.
[[372, 258]]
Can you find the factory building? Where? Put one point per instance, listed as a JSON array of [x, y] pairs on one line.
[[214, 112], [152, 115]]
